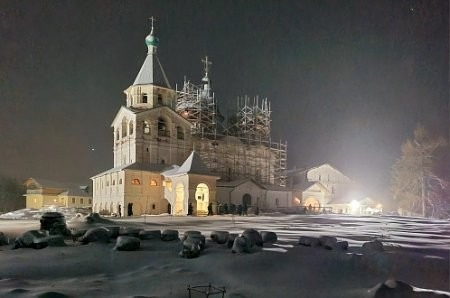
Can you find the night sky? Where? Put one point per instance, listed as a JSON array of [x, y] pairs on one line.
[[348, 80]]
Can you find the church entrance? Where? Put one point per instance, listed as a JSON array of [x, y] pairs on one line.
[[312, 204], [202, 197], [179, 200], [247, 200]]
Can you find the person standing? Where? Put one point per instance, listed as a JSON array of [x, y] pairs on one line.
[[120, 210]]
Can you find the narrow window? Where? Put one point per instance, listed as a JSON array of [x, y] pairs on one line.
[[120, 181], [163, 161], [81, 201], [131, 127], [73, 200], [153, 206], [277, 202], [160, 101], [114, 182], [162, 128], [135, 182], [144, 98], [153, 182], [146, 127], [180, 133], [90, 201]]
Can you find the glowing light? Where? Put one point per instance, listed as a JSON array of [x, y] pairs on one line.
[[355, 205], [297, 201]]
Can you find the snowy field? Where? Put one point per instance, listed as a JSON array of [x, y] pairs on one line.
[[416, 252]]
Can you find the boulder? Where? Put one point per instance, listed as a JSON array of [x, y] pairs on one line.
[[113, 231], [327, 241], [56, 240], [231, 238], [54, 223], [191, 247], [150, 234], [373, 246], [187, 233], [240, 245], [221, 237], [341, 245], [308, 241], [100, 234], [169, 235], [127, 243], [129, 231], [253, 236], [269, 237], [200, 238], [4, 240], [36, 239]]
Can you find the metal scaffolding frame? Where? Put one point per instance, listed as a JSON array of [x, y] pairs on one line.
[[244, 149]]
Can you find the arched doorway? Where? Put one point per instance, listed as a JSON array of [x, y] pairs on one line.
[[179, 199], [246, 200], [312, 204], [202, 197]]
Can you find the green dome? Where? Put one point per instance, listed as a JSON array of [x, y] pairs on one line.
[[151, 40]]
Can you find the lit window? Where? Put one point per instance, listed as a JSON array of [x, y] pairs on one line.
[[135, 182], [146, 126], [153, 182]]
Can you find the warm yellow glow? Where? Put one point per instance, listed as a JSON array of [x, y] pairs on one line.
[[153, 182], [379, 206], [297, 201]]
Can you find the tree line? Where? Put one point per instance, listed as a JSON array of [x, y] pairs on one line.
[[11, 194]]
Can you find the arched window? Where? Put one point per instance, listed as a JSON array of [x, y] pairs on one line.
[[153, 182], [114, 182], [146, 126], [131, 127], [135, 181], [124, 127], [180, 133], [144, 98], [162, 128], [107, 183]]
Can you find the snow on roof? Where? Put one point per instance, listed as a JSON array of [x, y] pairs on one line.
[[66, 188], [194, 165]]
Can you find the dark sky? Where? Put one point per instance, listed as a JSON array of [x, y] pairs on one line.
[[348, 80]]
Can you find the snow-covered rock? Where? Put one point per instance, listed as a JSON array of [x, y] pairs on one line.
[[191, 247], [240, 245], [188, 233], [150, 234], [201, 238], [327, 241], [308, 241], [253, 236], [127, 243], [221, 237], [54, 223], [100, 234], [268, 237], [36, 239], [4, 240], [169, 235], [373, 246]]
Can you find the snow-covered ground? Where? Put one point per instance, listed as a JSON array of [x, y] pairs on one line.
[[416, 252]]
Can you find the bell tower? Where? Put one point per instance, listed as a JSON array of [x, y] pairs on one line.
[[151, 88]]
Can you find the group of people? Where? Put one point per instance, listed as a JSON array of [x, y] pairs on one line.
[[233, 209]]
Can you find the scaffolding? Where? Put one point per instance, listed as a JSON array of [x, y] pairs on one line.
[[252, 120], [244, 148]]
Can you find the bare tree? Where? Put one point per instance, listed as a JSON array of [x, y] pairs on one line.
[[414, 183]]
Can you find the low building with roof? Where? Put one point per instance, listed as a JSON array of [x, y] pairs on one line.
[[41, 193]]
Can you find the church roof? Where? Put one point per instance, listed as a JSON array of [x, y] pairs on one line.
[[137, 166], [65, 188], [152, 72], [194, 165]]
